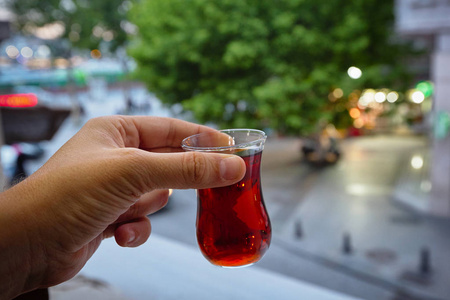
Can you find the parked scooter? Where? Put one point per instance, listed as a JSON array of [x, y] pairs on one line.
[[322, 149]]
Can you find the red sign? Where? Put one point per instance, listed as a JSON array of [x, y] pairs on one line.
[[18, 100]]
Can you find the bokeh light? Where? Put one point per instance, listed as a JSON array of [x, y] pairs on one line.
[[417, 162], [354, 72], [96, 54], [417, 97], [354, 113], [426, 87], [26, 52], [12, 51], [380, 97], [358, 123], [392, 97], [338, 93]]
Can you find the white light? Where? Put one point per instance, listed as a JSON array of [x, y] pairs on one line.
[[43, 51], [425, 186], [12, 51], [417, 97], [392, 97], [356, 189], [417, 162], [97, 31], [367, 97], [380, 97], [108, 36], [354, 72], [50, 31], [26, 52]]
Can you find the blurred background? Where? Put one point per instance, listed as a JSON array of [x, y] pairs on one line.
[[354, 96]]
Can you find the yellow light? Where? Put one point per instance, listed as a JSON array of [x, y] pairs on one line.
[[358, 123], [338, 93], [61, 63]]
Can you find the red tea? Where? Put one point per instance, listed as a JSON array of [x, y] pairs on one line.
[[233, 228]]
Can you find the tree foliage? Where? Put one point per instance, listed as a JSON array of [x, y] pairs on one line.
[[86, 24], [264, 63]]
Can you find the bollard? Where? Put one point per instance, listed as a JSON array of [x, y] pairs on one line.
[[298, 229], [425, 261], [347, 244]]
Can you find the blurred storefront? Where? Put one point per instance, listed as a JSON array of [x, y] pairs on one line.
[[428, 22]]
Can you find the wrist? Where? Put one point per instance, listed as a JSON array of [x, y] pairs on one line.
[[19, 266]]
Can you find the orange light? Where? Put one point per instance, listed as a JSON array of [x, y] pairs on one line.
[[354, 113], [96, 54], [18, 100]]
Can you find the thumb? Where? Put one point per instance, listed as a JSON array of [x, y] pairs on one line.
[[193, 170]]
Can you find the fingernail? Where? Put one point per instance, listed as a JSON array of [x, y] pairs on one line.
[[131, 238], [230, 168]]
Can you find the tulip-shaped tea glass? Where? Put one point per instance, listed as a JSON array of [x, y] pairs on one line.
[[233, 227]]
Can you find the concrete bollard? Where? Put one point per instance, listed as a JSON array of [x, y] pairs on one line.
[[298, 230], [425, 261], [347, 247]]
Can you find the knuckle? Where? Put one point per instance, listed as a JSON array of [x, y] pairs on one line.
[[97, 121], [132, 168], [195, 167], [132, 155]]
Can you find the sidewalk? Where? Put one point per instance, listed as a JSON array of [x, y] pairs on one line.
[[166, 269], [353, 205]]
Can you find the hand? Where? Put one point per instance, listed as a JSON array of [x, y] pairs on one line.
[[103, 182]]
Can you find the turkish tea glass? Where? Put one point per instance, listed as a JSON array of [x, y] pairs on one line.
[[233, 227]]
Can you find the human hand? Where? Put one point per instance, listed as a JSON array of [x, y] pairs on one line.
[[103, 182]]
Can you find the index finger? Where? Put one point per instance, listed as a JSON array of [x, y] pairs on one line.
[[158, 132]]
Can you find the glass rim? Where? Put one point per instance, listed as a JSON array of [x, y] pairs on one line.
[[222, 148]]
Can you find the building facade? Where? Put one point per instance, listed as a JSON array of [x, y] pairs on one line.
[[429, 20]]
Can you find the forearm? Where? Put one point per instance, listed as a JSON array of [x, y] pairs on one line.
[[18, 254]]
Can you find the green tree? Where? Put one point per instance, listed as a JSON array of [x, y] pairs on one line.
[[264, 63], [86, 24]]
